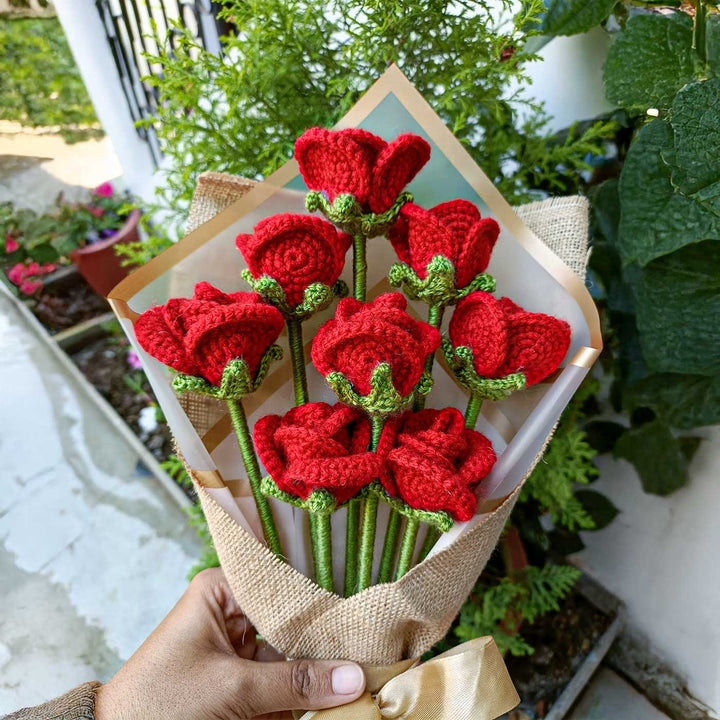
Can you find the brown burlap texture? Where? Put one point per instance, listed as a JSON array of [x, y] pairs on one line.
[[385, 623]]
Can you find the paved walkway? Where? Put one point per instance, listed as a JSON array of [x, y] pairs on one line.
[[609, 697], [93, 552]]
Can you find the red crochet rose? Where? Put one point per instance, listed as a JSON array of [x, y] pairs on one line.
[[201, 335], [296, 251], [357, 162], [506, 339], [318, 446], [363, 335], [434, 462], [453, 229]]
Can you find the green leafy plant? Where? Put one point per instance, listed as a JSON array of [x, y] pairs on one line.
[[656, 257], [40, 84], [527, 595], [241, 111]]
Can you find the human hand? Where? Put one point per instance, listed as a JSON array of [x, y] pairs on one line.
[[204, 661]]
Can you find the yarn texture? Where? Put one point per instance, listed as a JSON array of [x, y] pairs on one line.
[[200, 335], [297, 251], [455, 230], [356, 162], [318, 446], [434, 462], [505, 339], [365, 335]]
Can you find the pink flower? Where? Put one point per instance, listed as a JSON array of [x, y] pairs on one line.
[[32, 269], [11, 244], [104, 190], [47, 268], [97, 212], [30, 287], [133, 360], [17, 273]]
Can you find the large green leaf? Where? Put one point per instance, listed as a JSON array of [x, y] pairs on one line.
[[598, 507], [649, 61], [678, 307], [569, 17], [657, 219], [695, 161], [684, 401], [657, 456]]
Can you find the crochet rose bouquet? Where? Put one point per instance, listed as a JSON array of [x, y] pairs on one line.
[[359, 405], [378, 443]]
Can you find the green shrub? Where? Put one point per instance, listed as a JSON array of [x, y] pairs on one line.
[[40, 84]]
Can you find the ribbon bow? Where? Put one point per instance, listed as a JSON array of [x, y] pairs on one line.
[[469, 682]]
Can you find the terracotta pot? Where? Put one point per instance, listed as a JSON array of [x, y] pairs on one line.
[[99, 264]]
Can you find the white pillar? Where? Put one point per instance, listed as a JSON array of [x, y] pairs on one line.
[[86, 36]]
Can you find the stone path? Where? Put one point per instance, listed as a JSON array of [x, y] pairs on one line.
[[93, 551], [609, 697]]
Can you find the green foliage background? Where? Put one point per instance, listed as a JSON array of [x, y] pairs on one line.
[[287, 67], [40, 84]]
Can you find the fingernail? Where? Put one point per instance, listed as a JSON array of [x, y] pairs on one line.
[[347, 679]]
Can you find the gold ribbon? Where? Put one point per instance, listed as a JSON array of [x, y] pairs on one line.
[[469, 682]]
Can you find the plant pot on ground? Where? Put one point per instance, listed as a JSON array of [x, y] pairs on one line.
[[98, 262]]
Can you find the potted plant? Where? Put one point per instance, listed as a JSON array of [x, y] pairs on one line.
[[83, 233]]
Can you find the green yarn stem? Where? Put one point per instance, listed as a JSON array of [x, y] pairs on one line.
[[473, 411], [432, 536], [387, 559], [252, 467], [352, 537], [435, 316], [297, 359], [359, 267], [320, 536], [369, 519], [367, 542], [408, 547]]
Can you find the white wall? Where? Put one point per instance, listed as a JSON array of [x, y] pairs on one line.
[[568, 78], [662, 557], [86, 37]]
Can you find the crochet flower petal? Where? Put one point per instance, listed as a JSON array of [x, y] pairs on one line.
[[537, 344], [480, 324], [338, 161], [418, 236], [395, 167], [230, 332], [436, 462], [475, 251], [302, 456], [296, 251], [205, 292], [157, 339], [364, 335]]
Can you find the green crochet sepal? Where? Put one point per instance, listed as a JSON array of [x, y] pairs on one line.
[[383, 399], [320, 502], [347, 214], [461, 362], [317, 296], [439, 519], [236, 381], [438, 288]]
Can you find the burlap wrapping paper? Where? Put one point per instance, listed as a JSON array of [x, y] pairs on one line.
[[385, 623]]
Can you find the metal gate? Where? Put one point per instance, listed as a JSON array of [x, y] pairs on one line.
[[128, 29]]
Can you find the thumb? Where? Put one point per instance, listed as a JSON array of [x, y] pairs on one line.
[[266, 687]]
